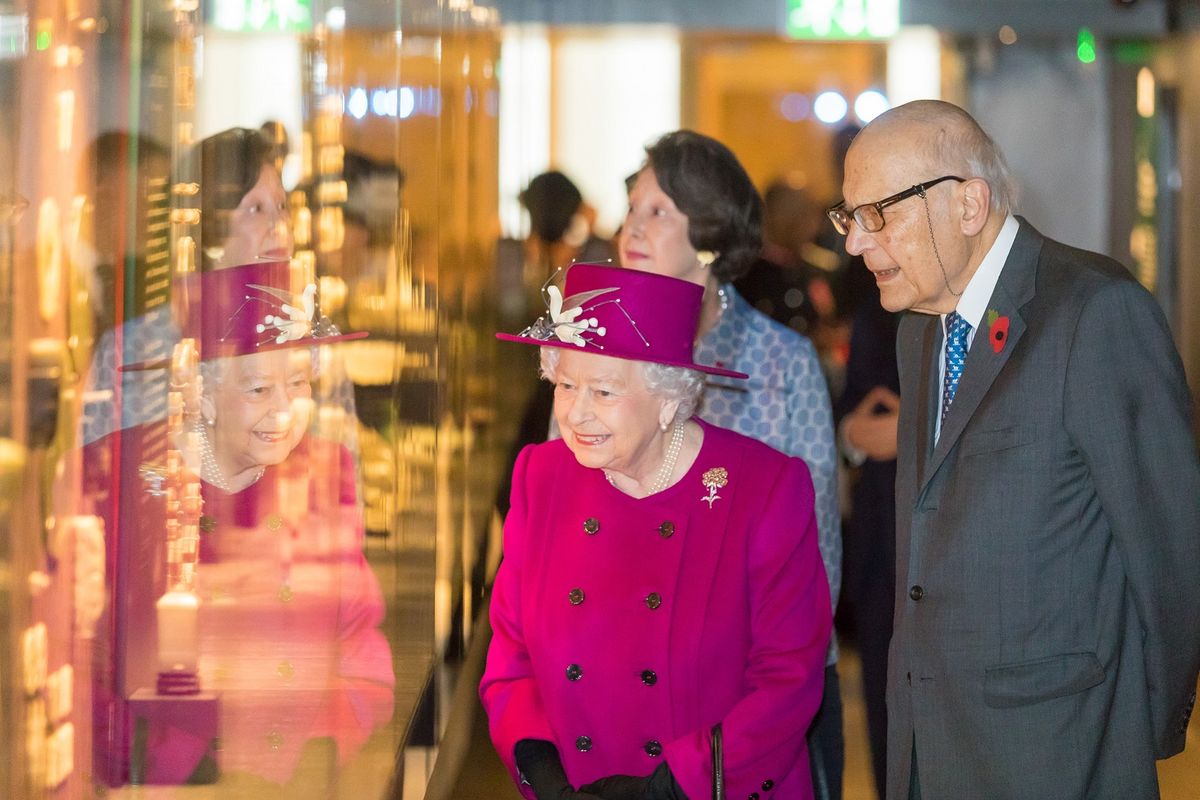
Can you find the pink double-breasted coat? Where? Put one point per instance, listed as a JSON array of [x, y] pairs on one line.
[[624, 628]]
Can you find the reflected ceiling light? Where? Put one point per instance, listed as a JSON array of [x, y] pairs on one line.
[[1145, 93], [384, 102], [869, 105], [1007, 35], [794, 106], [830, 107], [357, 104], [335, 18], [407, 102]]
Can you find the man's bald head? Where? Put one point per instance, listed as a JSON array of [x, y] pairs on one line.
[[948, 140]]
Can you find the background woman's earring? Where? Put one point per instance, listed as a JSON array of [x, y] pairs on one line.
[[662, 426], [706, 257]]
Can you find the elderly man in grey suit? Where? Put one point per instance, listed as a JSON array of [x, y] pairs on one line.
[[1047, 623]]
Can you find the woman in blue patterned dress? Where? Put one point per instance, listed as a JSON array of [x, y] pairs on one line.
[[695, 214]]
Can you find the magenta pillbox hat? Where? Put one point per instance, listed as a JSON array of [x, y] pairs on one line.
[[623, 313]]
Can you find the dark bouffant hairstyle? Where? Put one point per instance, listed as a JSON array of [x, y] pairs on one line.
[[552, 201], [230, 163], [709, 185]]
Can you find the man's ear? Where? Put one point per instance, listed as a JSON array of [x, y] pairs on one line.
[[976, 206]]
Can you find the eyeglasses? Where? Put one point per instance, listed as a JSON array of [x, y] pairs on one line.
[[869, 216]]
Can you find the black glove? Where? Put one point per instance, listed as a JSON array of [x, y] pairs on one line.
[[541, 767], [658, 785]]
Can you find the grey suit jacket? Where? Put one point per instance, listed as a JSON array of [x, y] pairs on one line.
[[1047, 624]]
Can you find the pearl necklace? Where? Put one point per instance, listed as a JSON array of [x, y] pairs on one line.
[[663, 476], [210, 470]]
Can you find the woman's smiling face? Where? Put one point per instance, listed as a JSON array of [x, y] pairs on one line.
[[261, 407], [607, 417]]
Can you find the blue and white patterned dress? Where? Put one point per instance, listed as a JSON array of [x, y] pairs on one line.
[[785, 403]]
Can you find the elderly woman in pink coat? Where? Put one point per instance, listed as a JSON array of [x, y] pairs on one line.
[[662, 598]]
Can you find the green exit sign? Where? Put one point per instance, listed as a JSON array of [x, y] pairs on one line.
[[842, 19], [262, 16]]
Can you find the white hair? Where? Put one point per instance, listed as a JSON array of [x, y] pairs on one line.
[[679, 384]]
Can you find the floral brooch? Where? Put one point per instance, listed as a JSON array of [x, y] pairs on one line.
[[716, 478], [997, 330]]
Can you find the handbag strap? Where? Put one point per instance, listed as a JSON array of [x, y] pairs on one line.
[[718, 764]]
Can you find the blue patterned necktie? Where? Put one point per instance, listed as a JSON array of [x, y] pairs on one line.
[[957, 331]]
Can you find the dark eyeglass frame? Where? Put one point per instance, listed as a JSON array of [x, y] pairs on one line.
[[841, 217]]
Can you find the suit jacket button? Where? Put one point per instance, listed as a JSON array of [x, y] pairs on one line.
[[649, 677], [653, 600], [768, 785], [754, 796], [575, 596], [653, 748], [667, 529], [574, 672], [591, 525], [583, 744], [916, 593]]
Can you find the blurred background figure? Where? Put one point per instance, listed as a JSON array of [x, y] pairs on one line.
[[867, 414], [560, 233], [113, 158], [790, 282]]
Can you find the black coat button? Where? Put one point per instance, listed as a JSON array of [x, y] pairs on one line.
[[574, 672], [754, 796], [916, 593], [591, 525], [649, 677], [575, 596], [653, 748], [583, 744], [768, 785], [653, 600], [667, 529]]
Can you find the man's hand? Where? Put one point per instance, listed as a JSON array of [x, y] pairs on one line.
[[871, 426]]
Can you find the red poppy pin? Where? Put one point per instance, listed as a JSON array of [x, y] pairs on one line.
[[997, 330]]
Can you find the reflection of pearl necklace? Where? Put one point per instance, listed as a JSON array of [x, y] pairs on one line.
[[210, 470], [663, 476]]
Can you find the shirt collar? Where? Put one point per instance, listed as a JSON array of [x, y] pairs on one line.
[[974, 300]]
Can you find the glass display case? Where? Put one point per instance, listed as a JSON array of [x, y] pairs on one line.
[[248, 447]]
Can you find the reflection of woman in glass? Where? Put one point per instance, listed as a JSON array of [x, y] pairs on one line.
[[661, 575], [289, 611], [243, 217], [243, 220]]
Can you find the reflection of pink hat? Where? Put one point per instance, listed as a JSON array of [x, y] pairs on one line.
[[249, 309], [252, 308], [623, 313]]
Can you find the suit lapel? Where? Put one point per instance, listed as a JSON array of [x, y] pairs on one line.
[[1013, 291]]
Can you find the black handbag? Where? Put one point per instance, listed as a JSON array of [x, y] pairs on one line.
[[718, 764]]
